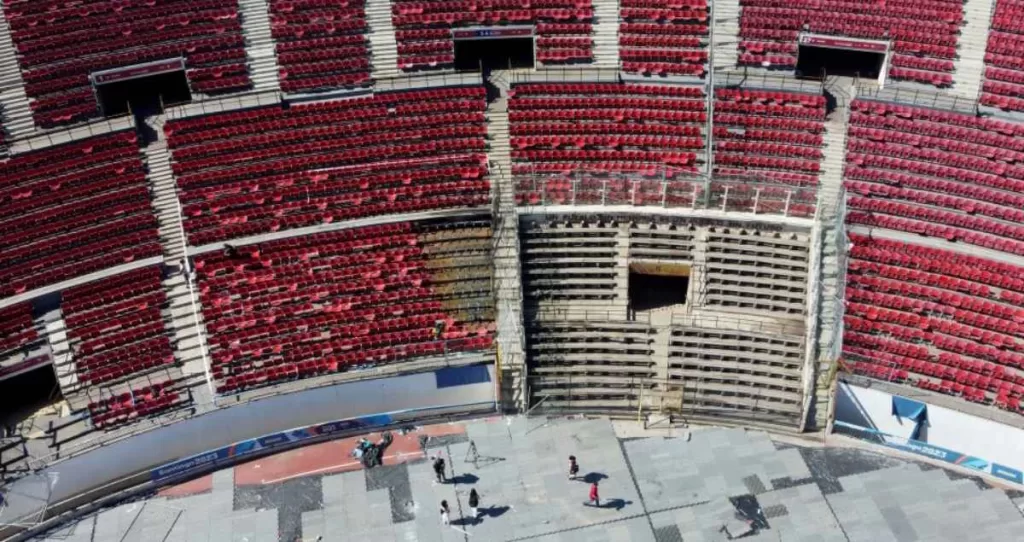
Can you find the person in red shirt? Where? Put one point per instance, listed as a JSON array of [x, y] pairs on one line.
[[594, 497]]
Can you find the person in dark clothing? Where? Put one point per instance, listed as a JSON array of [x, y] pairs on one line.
[[474, 503], [574, 468], [439, 469], [594, 497]]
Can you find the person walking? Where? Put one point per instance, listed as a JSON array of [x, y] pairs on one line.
[[474, 503], [594, 497], [445, 518], [439, 469], [574, 468]]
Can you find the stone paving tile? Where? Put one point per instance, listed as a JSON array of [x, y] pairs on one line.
[[652, 489]]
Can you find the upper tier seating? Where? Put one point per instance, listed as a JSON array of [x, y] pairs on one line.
[[73, 209], [942, 320], [321, 44], [936, 173], [423, 29], [260, 170], [583, 134], [1004, 58], [664, 37], [730, 373], [324, 303], [749, 270], [774, 138], [116, 327], [924, 32], [60, 43]]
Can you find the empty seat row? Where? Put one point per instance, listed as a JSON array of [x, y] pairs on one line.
[[73, 209], [423, 30], [116, 327], [924, 33], [646, 50], [921, 311], [136, 403], [326, 303], [1004, 59], [246, 172], [58, 48]]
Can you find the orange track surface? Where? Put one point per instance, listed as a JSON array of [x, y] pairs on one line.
[[334, 456]]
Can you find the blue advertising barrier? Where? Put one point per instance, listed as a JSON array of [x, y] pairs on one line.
[[936, 452], [262, 444]]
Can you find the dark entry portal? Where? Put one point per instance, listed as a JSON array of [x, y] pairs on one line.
[[493, 54], [818, 62], [144, 94]]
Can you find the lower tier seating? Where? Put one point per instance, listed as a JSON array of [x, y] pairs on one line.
[[737, 374], [749, 270], [936, 173], [590, 365], [937, 319], [330, 302], [18, 332], [137, 403], [73, 209], [116, 328], [255, 171]]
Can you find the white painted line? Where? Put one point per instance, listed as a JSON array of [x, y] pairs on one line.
[[332, 467], [460, 530]]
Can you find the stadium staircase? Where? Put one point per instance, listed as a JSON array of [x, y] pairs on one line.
[[259, 45], [383, 44], [507, 279], [165, 198], [969, 64], [829, 193], [16, 112], [606, 34], [725, 32], [63, 361]]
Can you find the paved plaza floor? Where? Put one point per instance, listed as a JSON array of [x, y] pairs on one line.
[[711, 485]]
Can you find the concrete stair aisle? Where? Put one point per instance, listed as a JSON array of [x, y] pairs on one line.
[[259, 45], [725, 32], [833, 240], [507, 277], [14, 104], [383, 44], [184, 318], [830, 180], [606, 34], [969, 66], [63, 360], [165, 196]]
